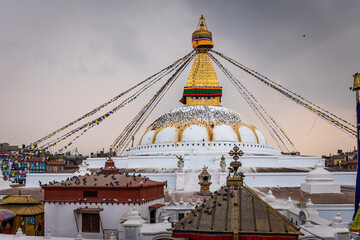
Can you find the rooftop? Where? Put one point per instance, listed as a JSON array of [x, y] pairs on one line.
[[234, 209], [97, 179], [19, 199]]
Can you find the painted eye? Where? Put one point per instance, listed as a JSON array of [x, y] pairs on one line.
[[209, 97], [196, 98]]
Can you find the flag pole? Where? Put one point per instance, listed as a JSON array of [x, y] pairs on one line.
[[356, 88]]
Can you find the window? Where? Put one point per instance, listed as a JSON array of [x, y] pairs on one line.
[[153, 216], [180, 216], [90, 194], [90, 222]]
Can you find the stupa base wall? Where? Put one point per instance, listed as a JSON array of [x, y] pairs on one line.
[[210, 160], [189, 181]]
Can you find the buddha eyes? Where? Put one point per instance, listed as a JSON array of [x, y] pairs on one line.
[[197, 98]]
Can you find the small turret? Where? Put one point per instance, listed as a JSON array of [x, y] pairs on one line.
[[204, 181], [109, 166]]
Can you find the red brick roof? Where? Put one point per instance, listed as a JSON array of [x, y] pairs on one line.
[[104, 188], [107, 180]]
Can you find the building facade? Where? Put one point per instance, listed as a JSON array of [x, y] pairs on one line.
[[94, 204]]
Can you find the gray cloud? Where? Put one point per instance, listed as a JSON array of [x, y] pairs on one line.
[[60, 59]]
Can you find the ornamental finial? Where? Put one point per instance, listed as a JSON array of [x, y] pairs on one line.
[[235, 153], [235, 177], [202, 36]]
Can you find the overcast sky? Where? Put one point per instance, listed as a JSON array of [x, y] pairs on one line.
[[60, 59]]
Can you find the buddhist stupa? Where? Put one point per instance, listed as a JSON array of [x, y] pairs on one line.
[[200, 133], [202, 119]]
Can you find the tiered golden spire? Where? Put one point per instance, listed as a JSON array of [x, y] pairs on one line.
[[202, 87]]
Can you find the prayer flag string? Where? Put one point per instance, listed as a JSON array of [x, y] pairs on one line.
[[123, 140], [259, 110], [332, 119], [34, 144], [100, 119]]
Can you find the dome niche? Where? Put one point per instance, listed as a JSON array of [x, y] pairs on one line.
[[201, 124]]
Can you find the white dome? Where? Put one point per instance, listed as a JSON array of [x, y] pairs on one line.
[[260, 136], [166, 135], [194, 133], [148, 137], [224, 132], [320, 181], [247, 135], [201, 124], [319, 174]]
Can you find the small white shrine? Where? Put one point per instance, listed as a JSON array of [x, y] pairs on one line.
[[320, 180]]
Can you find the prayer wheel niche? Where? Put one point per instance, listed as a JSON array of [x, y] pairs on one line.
[[204, 181]]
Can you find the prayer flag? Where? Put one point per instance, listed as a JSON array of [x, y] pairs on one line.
[[357, 189]]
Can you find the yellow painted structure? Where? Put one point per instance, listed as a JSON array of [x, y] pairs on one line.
[[215, 101], [24, 207], [202, 72]]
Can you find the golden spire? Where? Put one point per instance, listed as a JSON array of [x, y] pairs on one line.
[[202, 87]]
